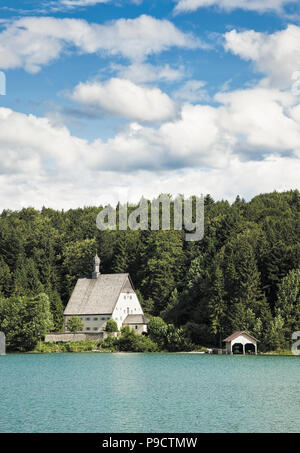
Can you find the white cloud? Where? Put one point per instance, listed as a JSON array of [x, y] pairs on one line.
[[61, 5], [261, 120], [248, 143], [123, 98], [75, 3], [192, 91], [36, 41], [80, 3], [248, 124], [276, 55], [146, 72], [248, 5]]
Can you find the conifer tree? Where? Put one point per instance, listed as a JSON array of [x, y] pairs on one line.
[[288, 302]]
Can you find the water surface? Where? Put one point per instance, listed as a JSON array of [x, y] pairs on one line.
[[91, 392]]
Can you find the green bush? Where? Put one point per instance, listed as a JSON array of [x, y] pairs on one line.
[[69, 346], [74, 324], [111, 326], [168, 337], [110, 343], [132, 342]]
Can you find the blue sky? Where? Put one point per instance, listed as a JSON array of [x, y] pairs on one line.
[[111, 100]]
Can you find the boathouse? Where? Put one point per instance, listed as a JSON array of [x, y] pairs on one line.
[[241, 342]]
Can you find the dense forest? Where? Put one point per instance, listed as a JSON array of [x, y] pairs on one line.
[[244, 274]]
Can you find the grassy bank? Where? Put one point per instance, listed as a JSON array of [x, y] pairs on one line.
[[95, 346], [68, 346]]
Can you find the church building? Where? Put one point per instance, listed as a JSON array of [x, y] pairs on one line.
[[103, 296]]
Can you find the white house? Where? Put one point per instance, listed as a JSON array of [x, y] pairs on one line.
[[241, 342], [103, 296]]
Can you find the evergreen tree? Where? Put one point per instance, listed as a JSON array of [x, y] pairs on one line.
[[288, 302], [5, 279], [25, 321], [57, 310], [217, 305], [120, 260]]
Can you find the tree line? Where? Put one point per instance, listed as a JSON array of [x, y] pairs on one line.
[[243, 275]]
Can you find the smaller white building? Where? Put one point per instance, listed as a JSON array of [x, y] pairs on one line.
[[241, 342], [138, 323]]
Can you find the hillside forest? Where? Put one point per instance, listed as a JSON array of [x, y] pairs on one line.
[[243, 275]]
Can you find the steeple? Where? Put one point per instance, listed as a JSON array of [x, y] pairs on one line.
[[97, 262]]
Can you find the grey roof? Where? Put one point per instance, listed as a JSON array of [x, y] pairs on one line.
[[136, 319], [97, 295]]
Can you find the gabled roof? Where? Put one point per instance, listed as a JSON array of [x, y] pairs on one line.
[[136, 319], [237, 334], [97, 295]]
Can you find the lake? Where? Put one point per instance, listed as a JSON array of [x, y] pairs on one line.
[[149, 393]]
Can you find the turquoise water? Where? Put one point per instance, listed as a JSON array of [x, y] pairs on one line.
[[149, 393]]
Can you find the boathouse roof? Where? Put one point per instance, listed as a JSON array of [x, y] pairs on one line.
[[237, 334]]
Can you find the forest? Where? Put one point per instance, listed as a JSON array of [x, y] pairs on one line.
[[243, 275]]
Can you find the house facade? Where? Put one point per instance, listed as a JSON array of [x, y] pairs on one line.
[[103, 296]]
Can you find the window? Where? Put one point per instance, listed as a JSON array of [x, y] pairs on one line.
[[88, 328], [136, 327], [95, 328], [128, 310], [95, 319], [130, 297], [103, 318], [87, 319]]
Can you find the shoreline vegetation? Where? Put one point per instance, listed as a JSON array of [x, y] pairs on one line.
[[243, 275], [94, 347]]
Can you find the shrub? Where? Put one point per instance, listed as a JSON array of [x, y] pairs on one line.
[[110, 343], [74, 324], [132, 342], [111, 326]]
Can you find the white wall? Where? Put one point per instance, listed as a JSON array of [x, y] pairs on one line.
[[128, 304]]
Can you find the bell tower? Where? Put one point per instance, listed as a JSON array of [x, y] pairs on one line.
[[97, 262]]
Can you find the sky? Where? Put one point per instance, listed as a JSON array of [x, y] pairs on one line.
[[111, 100]]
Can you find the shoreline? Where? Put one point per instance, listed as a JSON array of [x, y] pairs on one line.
[[96, 351]]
